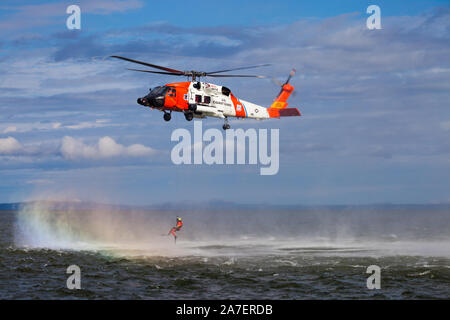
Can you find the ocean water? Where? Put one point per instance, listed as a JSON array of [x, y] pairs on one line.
[[234, 255]]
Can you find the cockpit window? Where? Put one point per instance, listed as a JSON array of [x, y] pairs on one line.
[[172, 92], [157, 91]]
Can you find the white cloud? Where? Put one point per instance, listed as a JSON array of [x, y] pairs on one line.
[[9, 146], [40, 76], [10, 129], [26, 127], [89, 124], [23, 17], [72, 148], [39, 126], [39, 181], [108, 6]]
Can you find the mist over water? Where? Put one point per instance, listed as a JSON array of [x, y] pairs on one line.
[[401, 230], [225, 251]]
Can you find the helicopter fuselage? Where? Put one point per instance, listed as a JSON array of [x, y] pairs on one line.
[[202, 99]]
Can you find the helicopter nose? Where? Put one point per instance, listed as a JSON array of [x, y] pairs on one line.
[[158, 101], [143, 101]]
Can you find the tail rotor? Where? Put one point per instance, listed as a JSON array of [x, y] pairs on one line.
[[279, 106], [280, 84]]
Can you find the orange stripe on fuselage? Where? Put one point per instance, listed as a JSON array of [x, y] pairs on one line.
[[239, 108]]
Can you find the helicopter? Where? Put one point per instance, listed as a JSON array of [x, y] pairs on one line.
[[197, 99]]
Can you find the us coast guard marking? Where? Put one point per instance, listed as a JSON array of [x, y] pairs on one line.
[[213, 151]]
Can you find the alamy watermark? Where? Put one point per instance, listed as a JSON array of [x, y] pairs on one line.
[[74, 280], [74, 20], [374, 21], [211, 147], [374, 281]]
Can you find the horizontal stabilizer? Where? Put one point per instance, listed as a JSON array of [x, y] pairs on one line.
[[289, 112], [286, 112]]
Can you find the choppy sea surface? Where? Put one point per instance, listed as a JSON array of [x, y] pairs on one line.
[[129, 256]]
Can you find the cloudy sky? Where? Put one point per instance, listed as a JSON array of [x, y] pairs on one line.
[[375, 103]]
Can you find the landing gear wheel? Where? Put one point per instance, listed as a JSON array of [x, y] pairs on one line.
[[167, 116], [189, 116]]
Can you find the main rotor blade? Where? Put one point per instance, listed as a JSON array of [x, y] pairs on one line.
[[159, 72], [149, 65], [233, 76], [241, 68]]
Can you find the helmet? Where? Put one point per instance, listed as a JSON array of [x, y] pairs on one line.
[[178, 219]]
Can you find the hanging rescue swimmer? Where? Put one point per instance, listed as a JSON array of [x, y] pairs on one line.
[[178, 227]]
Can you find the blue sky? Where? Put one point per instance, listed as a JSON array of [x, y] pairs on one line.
[[375, 103]]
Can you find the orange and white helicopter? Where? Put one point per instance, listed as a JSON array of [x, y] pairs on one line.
[[198, 99]]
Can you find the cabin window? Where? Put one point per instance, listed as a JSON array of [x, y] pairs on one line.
[[206, 99], [226, 91], [198, 98]]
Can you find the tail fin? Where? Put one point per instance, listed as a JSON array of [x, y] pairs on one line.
[[278, 107]]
